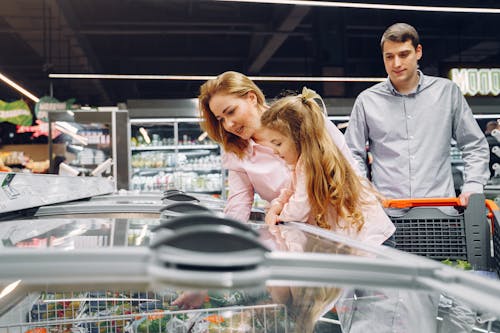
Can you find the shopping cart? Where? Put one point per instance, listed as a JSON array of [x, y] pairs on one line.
[[424, 229], [140, 312]]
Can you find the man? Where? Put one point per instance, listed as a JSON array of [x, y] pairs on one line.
[[409, 121]]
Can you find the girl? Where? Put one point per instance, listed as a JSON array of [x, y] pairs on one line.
[[231, 106], [325, 189]]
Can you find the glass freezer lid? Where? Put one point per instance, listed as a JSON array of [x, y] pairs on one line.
[[223, 278], [77, 233], [89, 207], [20, 191], [124, 204]]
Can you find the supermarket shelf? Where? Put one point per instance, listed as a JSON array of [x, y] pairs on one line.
[[174, 147], [211, 170], [179, 151], [173, 169]]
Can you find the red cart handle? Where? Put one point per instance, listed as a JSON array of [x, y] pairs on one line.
[[430, 202], [492, 207], [419, 202]]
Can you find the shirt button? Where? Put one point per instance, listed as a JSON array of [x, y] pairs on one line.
[[411, 137], [409, 117]]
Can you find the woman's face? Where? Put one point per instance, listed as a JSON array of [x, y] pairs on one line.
[[237, 115]]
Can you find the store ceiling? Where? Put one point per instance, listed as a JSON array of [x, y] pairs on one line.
[[204, 37]]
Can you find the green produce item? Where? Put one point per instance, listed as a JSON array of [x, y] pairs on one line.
[[460, 264], [17, 113]]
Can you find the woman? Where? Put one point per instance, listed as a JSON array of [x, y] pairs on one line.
[[231, 106]]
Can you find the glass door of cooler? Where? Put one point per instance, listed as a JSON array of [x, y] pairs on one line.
[[90, 143], [174, 153], [201, 274]]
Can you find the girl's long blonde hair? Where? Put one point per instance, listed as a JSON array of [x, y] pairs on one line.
[[330, 179], [230, 83]]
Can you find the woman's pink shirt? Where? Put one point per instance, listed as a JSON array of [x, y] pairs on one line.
[[263, 172]]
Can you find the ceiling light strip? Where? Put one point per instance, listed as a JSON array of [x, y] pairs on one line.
[[208, 77], [374, 6], [19, 88]]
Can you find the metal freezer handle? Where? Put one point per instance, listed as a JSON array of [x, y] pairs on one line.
[[210, 238], [208, 255], [179, 196], [184, 207], [200, 219]]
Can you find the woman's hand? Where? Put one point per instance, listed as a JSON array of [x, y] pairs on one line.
[[190, 300]]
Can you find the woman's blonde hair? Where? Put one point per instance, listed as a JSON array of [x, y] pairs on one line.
[[230, 83], [330, 179]]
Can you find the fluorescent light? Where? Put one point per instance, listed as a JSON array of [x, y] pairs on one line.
[[208, 77], [70, 130], [130, 77], [375, 6], [318, 78], [9, 288], [19, 88]]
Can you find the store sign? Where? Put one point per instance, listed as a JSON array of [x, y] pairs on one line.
[[474, 81], [17, 113], [48, 103]]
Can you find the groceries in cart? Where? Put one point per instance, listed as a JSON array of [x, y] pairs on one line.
[[148, 312]]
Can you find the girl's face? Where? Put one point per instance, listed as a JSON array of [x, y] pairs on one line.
[[237, 115], [282, 145]]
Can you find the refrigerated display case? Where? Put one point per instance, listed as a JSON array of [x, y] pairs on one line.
[[80, 274], [92, 139], [174, 153]]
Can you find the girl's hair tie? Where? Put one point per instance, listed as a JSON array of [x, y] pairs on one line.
[[311, 94]]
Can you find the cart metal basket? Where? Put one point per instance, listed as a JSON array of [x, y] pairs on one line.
[[139, 312], [496, 244], [424, 229]]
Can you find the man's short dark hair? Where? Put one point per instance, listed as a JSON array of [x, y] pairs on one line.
[[400, 33]]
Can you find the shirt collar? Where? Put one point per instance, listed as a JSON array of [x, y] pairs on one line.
[[253, 146], [393, 90]]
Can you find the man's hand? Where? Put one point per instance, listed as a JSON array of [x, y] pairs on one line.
[[464, 198]]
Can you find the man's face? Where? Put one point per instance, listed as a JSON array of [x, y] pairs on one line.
[[401, 62]]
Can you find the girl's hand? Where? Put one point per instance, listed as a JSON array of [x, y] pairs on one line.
[[271, 218], [286, 194]]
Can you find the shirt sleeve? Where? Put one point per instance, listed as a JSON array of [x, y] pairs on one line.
[[378, 226], [473, 144], [339, 140], [241, 195], [356, 136], [297, 208]]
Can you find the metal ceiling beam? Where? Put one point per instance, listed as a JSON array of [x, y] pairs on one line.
[[80, 45], [190, 59], [292, 20], [50, 35]]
